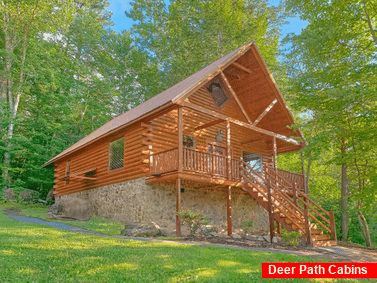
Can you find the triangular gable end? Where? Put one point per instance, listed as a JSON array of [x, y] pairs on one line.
[[176, 94]]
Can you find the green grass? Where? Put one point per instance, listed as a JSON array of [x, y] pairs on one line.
[[36, 253], [97, 224]]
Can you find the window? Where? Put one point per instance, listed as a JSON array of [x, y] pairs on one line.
[[116, 158], [254, 160], [68, 168], [216, 89], [67, 171], [189, 141]]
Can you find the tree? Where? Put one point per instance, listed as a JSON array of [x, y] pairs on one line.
[[332, 67], [185, 36], [21, 22]]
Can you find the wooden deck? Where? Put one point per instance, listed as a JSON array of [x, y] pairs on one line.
[[197, 165]]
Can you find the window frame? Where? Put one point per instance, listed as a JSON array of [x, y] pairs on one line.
[[110, 154], [225, 92], [189, 137]]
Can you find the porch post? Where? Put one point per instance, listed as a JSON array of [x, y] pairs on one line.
[[178, 208], [180, 169], [229, 220], [269, 196], [270, 204], [228, 153]]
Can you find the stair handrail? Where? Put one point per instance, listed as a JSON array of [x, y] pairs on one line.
[[281, 197], [293, 219]]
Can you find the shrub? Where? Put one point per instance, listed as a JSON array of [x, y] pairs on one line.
[[194, 220], [9, 194], [28, 196], [247, 226], [290, 238], [50, 199]]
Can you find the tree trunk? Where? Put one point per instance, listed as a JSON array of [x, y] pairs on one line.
[[370, 26], [7, 95], [364, 226], [306, 173], [13, 98], [344, 194]]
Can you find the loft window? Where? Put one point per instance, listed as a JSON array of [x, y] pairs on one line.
[[216, 89], [116, 158], [189, 141]]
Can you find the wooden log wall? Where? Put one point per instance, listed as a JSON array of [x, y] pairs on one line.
[[157, 134], [230, 108], [96, 156], [164, 128]]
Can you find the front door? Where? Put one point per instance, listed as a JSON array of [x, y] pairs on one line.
[[217, 159]]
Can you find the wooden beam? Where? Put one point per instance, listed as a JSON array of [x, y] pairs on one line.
[[229, 220], [209, 124], [250, 141], [232, 76], [238, 122], [212, 75], [82, 177], [228, 154], [180, 139], [270, 205], [243, 68], [235, 97], [178, 209], [275, 150], [265, 112]]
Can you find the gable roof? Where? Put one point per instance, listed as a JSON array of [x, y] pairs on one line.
[[160, 101]]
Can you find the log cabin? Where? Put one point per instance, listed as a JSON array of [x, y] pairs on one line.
[[209, 143]]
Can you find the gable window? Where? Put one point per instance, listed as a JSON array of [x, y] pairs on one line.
[[116, 154], [216, 89]]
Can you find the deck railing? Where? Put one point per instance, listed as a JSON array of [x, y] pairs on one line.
[[203, 163], [164, 162], [215, 165]]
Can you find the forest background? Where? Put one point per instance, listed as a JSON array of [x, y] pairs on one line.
[[64, 72]]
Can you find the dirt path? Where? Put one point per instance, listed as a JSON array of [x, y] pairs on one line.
[[337, 253]]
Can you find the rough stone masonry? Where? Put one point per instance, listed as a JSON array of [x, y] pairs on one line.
[[135, 202]]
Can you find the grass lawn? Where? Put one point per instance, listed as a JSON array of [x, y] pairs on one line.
[[35, 253], [97, 224]]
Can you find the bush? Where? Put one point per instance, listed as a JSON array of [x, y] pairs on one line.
[[50, 199], [9, 194], [290, 238], [194, 220], [28, 196], [247, 226]]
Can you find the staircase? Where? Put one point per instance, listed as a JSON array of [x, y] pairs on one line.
[[281, 193]]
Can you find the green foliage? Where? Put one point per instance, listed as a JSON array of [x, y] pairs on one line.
[[247, 226], [77, 75], [332, 84], [187, 35], [290, 238], [193, 219]]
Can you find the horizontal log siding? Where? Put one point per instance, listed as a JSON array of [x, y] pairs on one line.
[[96, 156], [164, 132], [230, 107]]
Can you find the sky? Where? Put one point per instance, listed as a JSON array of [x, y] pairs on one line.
[[121, 22]]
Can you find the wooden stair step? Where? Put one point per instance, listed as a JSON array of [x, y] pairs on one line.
[[322, 237], [316, 231], [325, 243]]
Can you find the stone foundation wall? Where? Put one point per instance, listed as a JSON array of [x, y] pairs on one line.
[[134, 202]]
